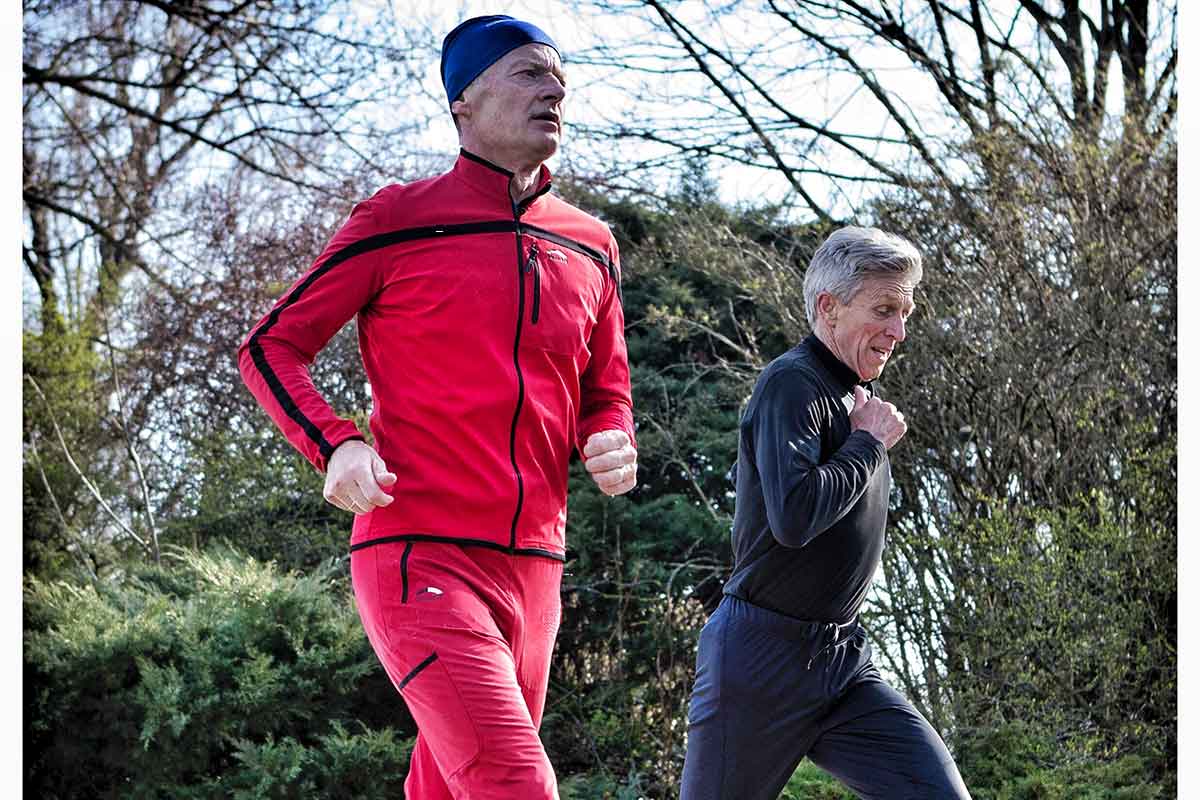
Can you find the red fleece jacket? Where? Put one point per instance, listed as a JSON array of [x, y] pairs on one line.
[[493, 338]]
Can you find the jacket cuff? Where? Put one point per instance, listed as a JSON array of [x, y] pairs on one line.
[[321, 462], [606, 422]]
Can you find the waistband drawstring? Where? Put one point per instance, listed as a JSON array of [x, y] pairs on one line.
[[833, 629]]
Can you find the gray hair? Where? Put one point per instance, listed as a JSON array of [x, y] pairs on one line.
[[849, 256]]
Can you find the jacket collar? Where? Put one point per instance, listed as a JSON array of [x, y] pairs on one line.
[[846, 377], [493, 179]]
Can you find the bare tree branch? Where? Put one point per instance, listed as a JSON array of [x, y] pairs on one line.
[[91, 487]]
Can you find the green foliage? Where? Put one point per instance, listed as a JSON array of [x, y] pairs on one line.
[[62, 364], [1075, 604], [216, 676], [600, 787], [261, 495], [810, 782], [1019, 761], [340, 764]]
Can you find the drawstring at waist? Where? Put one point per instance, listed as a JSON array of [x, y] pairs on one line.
[[834, 632]]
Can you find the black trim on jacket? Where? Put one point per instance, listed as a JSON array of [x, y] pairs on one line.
[[461, 542], [367, 245]]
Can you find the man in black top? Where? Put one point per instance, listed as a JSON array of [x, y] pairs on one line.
[[783, 669]]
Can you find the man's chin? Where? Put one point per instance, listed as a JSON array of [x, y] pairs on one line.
[[871, 374], [545, 147]]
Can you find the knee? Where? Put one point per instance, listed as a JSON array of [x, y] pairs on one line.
[[503, 780], [946, 785]]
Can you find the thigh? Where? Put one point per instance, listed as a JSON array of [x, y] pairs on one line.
[[750, 717], [881, 747], [424, 781], [474, 716], [440, 644], [536, 615]]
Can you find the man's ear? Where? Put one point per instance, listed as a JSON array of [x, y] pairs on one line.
[[828, 306], [460, 108]]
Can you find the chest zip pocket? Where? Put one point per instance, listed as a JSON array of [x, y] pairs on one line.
[[531, 265]]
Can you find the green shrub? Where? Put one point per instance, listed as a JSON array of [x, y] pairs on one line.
[[591, 786], [218, 677], [1017, 761], [810, 782]]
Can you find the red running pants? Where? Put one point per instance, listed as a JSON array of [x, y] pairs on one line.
[[465, 634]]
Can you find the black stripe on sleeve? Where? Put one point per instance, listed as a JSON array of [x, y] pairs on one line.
[[348, 252]]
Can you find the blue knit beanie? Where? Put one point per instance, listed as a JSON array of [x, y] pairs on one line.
[[480, 42]]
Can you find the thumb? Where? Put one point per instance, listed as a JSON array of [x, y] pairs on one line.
[[860, 398], [382, 476]]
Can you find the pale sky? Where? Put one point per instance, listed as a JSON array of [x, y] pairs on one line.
[[594, 100]]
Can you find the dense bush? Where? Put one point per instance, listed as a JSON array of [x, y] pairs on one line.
[[809, 782], [1020, 761], [220, 676], [216, 677]]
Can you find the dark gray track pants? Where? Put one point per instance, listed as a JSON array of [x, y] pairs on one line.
[[771, 690]]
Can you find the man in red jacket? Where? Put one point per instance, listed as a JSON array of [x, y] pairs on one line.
[[491, 329]]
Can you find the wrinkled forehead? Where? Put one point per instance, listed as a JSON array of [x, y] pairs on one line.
[[887, 287], [534, 55]]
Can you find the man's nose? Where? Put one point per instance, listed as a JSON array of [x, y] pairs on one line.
[[553, 91], [896, 328]]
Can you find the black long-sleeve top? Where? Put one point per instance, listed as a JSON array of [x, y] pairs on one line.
[[812, 496]]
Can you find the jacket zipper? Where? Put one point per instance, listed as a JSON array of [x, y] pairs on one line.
[[512, 435], [532, 266], [518, 210]]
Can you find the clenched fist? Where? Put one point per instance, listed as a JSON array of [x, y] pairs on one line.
[[610, 458], [877, 418], [355, 477]]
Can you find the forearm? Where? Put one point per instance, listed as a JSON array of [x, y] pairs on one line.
[[811, 499], [606, 397], [279, 379]]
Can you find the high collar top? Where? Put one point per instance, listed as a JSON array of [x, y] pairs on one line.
[[845, 376], [494, 180]]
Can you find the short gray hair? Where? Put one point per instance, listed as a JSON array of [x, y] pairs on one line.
[[850, 255]]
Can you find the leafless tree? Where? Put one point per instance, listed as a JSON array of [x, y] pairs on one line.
[[133, 112], [841, 98], [128, 104], [1030, 153]]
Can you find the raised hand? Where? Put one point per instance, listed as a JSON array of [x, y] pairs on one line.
[[877, 418]]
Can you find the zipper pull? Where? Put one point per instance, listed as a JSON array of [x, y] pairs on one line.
[[532, 265]]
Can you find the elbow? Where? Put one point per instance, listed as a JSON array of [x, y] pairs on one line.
[[247, 361], [790, 530], [792, 516]]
